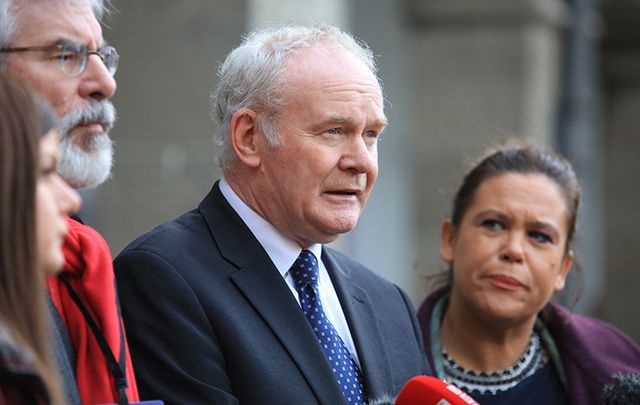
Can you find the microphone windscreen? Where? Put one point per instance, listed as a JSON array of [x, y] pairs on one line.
[[424, 390], [623, 390]]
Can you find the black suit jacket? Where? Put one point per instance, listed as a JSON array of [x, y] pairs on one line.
[[210, 319]]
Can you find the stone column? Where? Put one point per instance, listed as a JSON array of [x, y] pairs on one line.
[[482, 71], [164, 161], [263, 12], [621, 66]]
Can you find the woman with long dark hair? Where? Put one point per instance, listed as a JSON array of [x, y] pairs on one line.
[[34, 202]]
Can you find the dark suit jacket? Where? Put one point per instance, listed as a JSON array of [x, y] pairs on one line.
[[210, 319]]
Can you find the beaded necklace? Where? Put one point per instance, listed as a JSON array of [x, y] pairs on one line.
[[550, 350], [533, 359]]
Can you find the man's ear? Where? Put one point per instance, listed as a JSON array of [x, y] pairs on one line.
[[447, 241], [244, 137]]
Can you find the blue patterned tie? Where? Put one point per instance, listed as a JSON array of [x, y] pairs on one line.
[[305, 274]]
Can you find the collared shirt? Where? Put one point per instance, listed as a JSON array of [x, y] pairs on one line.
[[283, 252]]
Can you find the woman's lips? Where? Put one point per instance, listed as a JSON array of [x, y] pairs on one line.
[[505, 282]]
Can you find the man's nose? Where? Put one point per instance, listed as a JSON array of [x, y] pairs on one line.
[[96, 81], [359, 156]]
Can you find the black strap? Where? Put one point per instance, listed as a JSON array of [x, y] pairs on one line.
[[116, 367]]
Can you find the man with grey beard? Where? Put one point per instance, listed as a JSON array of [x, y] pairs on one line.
[[56, 47], [78, 87]]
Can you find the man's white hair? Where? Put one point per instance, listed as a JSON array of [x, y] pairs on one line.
[[251, 77]]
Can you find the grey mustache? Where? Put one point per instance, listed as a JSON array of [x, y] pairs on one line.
[[98, 111]]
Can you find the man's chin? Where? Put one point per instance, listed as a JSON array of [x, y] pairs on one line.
[[81, 181], [83, 168], [329, 232]]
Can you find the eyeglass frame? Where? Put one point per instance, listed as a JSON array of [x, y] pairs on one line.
[[85, 55]]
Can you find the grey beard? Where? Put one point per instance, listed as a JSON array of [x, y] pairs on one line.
[[87, 162], [82, 169]]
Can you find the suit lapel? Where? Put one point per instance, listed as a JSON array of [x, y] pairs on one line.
[[363, 325], [271, 297], [263, 286]]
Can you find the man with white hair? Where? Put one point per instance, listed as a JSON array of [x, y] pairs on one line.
[[56, 47], [239, 301]]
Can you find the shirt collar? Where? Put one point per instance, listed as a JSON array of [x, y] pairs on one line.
[[282, 251]]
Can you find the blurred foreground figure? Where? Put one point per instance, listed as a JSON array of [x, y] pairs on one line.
[[56, 47], [34, 203]]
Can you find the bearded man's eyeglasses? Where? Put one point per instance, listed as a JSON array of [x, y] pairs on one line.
[[74, 56]]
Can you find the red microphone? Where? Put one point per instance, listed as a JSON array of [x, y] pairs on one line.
[[423, 390]]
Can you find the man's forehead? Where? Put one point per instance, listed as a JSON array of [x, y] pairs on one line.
[[56, 3], [53, 20], [34, 6]]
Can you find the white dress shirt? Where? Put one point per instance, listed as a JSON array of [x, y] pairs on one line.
[[283, 253]]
